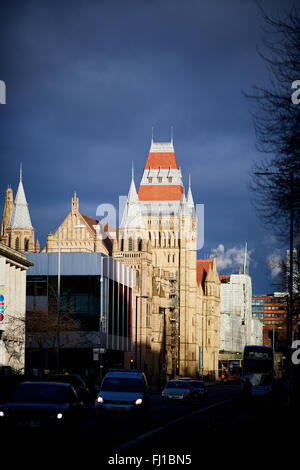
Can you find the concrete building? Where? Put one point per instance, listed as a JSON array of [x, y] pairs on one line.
[[13, 267]]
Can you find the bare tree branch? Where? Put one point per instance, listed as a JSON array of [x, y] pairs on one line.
[[276, 122]]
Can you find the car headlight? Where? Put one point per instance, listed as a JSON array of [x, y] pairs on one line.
[[139, 401], [2, 414], [59, 416], [100, 400]]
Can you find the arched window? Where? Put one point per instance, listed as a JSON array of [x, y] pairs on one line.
[[140, 244], [26, 244], [130, 244], [17, 243]]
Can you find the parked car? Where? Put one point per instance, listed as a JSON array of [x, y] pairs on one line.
[[177, 390], [123, 390], [43, 404], [73, 379], [199, 389]]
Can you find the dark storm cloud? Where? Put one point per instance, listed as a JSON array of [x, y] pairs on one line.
[[86, 81]]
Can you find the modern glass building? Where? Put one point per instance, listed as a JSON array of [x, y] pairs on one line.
[[95, 294]]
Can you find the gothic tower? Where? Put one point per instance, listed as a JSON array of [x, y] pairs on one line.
[[20, 231], [171, 220], [164, 219]]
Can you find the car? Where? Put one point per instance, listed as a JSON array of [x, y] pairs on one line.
[[73, 379], [199, 389], [123, 391], [177, 390], [43, 405]]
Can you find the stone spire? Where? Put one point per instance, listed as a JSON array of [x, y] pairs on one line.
[[8, 208], [189, 199], [183, 199], [132, 216], [20, 231], [20, 217]]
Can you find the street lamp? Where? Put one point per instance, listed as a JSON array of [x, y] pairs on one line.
[[100, 323], [289, 316], [136, 327]]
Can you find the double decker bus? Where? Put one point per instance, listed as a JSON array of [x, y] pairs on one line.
[[232, 368], [258, 368]]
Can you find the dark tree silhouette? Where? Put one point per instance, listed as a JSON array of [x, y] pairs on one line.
[[276, 119]]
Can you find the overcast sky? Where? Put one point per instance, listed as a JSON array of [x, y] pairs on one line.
[[87, 80]]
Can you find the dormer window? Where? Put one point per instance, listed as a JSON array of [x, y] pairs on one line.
[[150, 179], [159, 179], [170, 179]]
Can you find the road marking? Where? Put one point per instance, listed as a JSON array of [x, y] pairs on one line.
[[142, 437]]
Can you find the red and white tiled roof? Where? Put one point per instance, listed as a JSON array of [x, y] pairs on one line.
[[162, 178], [161, 191]]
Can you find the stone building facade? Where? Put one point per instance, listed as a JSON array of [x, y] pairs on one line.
[[208, 301], [79, 233], [176, 298], [157, 237]]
